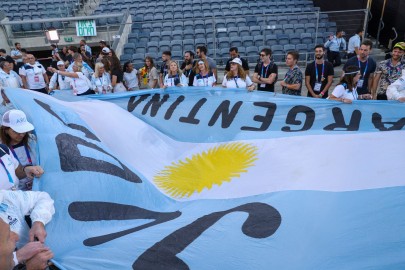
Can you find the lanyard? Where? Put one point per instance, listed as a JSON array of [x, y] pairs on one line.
[[26, 152], [236, 81], [365, 69], [316, 72], [354, 96], [263, 75], [204, 77], [10, 178]]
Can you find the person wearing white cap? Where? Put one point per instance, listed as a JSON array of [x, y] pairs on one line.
[[58, 81], [236, 77], [396, 90], [15, 205], [15, 134], [21, 145], [8, 77], [203, 76]]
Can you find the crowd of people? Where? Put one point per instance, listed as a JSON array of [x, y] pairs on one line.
[[24, 213]]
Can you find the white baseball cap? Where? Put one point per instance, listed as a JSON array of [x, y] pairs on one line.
[[17, 121], [60, 63], [106, 50], [237, 61]]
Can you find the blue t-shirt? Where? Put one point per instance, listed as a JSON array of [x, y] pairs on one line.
[[371, 67]]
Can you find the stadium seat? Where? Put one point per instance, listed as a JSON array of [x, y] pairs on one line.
[[211, 44], [231, 22], [177, 25], [235, 41], [295, 38], [306, 38], [220, 23], [199, 33], [255, 30], [154, 36], [288, 28], [257, 41], [223, 42], [125, 57], [288, 48], [188, 25], [188, 34], [188, 44], [199, 24], [165, 45], [301, 48], [129, 48], [303, 19], [252, 53], [177, 45], [200, 41], [277, 52], [140, 47], [152, 46], [271, 40], [247, 41], [282, 19], [240, 22], [177, 34], [132, 38], [177, 55], [299, 28], [251, 21], [233, 32], [143, 37], [244, 31], [166, 36], [310, 27], [167, 26], [292, 19], [283, 39]]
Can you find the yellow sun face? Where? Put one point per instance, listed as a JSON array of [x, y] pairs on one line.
[[217, 165]]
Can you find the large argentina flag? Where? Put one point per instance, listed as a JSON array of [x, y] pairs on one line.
[[197, 178]]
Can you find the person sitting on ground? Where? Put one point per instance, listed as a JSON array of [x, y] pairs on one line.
[[346, 90], [20, 141], [101, 80], [174, 76], [236, 77], [80, 84], [203, 76], [31, 250]]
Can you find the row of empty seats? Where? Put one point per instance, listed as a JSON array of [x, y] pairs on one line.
[[250, 53]]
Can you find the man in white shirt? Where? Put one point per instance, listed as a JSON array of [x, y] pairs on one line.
[[33, 75], [58, 81], [16, 53], [14, 206], [354, 43], [8, 77]]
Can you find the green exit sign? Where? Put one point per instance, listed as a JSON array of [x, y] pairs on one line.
[[68, 39]]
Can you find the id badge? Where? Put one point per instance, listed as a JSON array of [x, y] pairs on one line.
[[360, 83], [263, 85], [36, 78], [317, 87]]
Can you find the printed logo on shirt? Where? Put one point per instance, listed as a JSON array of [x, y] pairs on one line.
[[3, 207], [12, 221]]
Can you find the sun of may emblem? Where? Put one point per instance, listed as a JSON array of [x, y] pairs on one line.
[[217, 165]]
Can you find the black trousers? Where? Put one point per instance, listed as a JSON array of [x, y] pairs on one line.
[[334, 58], [42, 90]]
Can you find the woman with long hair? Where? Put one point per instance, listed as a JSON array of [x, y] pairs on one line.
[[131, 77], [117, 75], [101, 80], [174, 76], [346, 90], [20, 141], [203, 76], [148, 74], [236, 77]]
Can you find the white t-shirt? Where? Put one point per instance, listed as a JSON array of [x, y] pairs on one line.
[[16, 52], [101, 82], [237, 82], [341, 92], [10, 80], [354, 41], [207, 80], [63, 82], [174, 81], [131, 80], [81, 84], [34, 75], [8, 179]]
